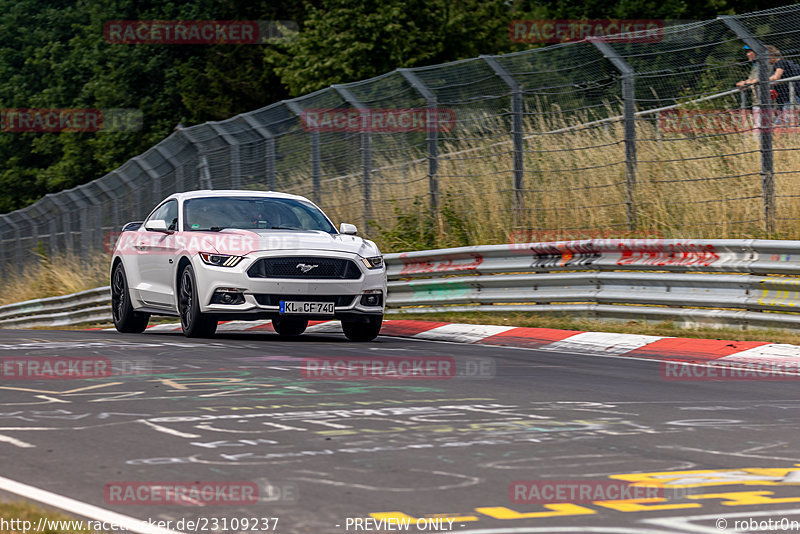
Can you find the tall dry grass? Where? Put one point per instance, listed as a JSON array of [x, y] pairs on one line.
[[700, 185], [688, 185], [50, 277]]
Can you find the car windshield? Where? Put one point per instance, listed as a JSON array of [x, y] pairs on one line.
[[253, 213]]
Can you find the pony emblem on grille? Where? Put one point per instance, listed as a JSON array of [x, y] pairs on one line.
[[305, 267]]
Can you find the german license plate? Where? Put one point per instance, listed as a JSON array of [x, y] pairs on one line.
[[310, 308]]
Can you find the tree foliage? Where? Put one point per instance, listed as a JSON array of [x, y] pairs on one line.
[[53, 55]]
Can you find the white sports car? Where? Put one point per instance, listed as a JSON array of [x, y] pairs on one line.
[[208, 256]]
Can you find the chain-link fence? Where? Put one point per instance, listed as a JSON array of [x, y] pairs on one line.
[[640, 135]]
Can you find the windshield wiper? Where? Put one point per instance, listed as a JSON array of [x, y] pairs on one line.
[[286, 228]]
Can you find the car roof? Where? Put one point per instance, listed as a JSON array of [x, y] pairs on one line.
[[217, 193]]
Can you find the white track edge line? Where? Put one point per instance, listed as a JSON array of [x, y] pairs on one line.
[[82, 509]]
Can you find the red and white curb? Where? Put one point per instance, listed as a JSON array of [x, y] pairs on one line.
[[632, 345]]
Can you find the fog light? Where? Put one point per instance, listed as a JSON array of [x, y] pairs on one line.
[[229, 296], [372, 299]]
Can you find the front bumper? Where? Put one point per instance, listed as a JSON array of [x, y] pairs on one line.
[[262, 295]]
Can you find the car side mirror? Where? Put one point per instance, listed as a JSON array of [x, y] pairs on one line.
[[348, 229], [132, 226], [156, 225]]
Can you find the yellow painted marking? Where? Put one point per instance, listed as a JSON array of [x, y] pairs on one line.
[[558, 509], [639, 505], [711, 477], [745, 498]]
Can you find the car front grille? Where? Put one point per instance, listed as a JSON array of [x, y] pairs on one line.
[[305, 268], [269, 299]]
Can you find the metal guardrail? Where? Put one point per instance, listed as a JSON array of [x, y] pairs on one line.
[[709, 282], [713, 282]]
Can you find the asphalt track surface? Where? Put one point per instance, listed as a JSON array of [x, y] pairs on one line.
[[237, 409]]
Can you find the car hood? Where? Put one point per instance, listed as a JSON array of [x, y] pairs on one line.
[[242, 242]]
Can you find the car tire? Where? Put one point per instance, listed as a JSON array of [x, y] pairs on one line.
[[363, 331], [193, 321], [126, 320], [289, 327]]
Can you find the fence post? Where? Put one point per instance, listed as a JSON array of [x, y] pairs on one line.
[[83, 225], [629, 122], [517, 114], [269, 148], [315, 156], [17, 241], [366, 154], [432, 138], [764, 118], [154, 177], [204, 180], [34, 229], [233, 147]]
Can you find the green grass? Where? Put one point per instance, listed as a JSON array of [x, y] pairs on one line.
[[21, 511]]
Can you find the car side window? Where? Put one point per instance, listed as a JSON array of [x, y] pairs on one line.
[[168, 211]]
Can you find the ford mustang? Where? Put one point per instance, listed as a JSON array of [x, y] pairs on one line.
[[210, 256]]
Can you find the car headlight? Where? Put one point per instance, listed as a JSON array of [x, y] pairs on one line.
[[220, 260], [375, 262]]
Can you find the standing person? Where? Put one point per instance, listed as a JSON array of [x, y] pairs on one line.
[[784, 68], [751, 81], [752, 78]]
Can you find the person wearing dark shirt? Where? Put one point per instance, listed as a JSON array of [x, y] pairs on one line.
[[784, 68]]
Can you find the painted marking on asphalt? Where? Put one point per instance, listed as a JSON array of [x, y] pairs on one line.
[[529, 337], [14, 441], [463, 333], [80, 508], [170, 431], [773, 353], [695, 349], [605, 342]]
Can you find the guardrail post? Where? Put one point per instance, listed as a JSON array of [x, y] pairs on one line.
[[517, 113], [629, 121], [366, 154], [764, 118], [315, 156], [432, 138]]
